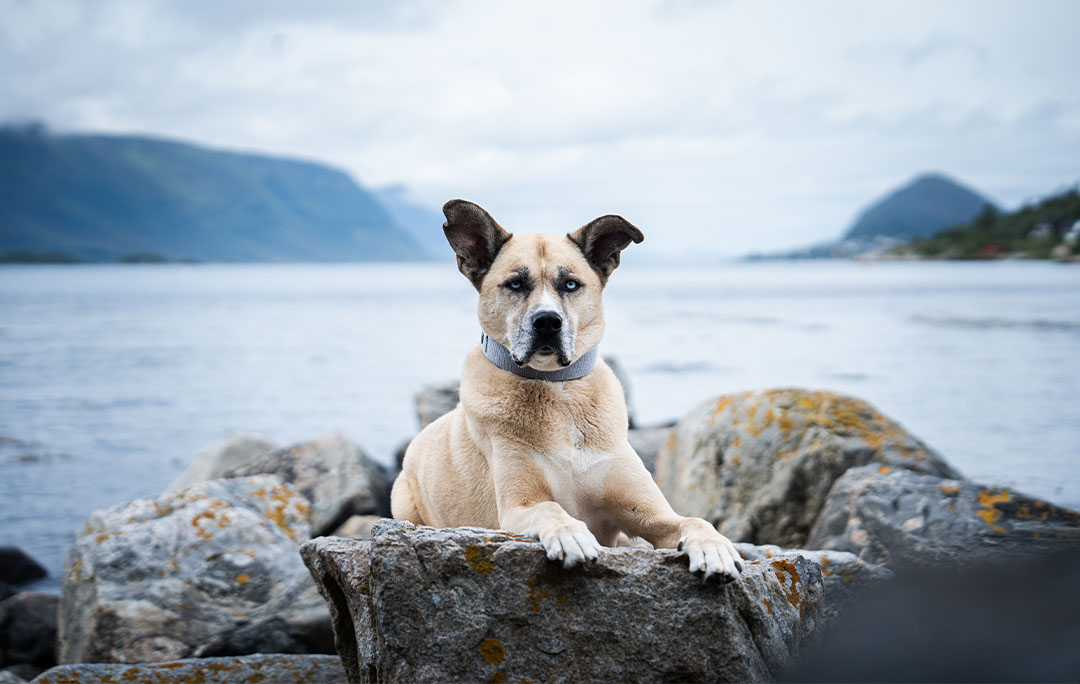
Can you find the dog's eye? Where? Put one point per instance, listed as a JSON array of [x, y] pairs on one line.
[[515, 285], [571, 285]]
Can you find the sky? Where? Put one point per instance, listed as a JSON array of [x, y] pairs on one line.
[[716, 127]]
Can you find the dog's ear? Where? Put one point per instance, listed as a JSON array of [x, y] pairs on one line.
[[475, 237], [602, 239]]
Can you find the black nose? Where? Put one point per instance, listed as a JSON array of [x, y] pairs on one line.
[[547, 322]]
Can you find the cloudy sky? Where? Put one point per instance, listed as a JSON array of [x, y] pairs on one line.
[[715, 126]]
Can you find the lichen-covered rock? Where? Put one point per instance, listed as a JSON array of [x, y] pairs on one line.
[[210, 570], [759, 464], [274, 668], [28, 630], [357, 527], [845, 576], [335, 475], [907, 520], [420, 604]]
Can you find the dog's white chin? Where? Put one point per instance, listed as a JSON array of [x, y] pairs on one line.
[[545, 362]]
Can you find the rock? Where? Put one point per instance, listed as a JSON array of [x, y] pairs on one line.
[[624, 382], [357, 527], [846, 577], [28, 630], [6, 591], [17, 567], [210, 570], [759, 464], [436, 400], [273, 668], [420, 604], [335, 475], [907, 520], [222, 457], [10, 677], [647, 442]]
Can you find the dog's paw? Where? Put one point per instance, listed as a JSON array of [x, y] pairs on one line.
[[571, 544], [712, 554]]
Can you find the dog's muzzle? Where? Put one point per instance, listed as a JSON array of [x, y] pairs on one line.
[[547, 336]]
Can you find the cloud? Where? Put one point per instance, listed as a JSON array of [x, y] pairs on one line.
[[723, 126]]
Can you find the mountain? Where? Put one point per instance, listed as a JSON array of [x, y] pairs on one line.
[[927, 204], [423, 223], [104, 198]]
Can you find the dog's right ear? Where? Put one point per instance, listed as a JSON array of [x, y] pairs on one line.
[[475, 237]]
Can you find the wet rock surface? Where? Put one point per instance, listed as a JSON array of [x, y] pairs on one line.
[[419, 604], [908, 520], [760, 464], [335, 475], [213, 569], [264, 669]]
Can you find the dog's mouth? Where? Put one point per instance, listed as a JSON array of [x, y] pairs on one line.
[[544, 351]]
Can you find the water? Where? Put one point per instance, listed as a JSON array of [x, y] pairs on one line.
[[112, 377]]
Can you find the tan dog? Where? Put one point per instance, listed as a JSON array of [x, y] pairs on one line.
[[543, 455]]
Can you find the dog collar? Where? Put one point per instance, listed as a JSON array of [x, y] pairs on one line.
[[500, 356]]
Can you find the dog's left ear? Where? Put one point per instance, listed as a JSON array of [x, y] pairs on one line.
[[602, 239]]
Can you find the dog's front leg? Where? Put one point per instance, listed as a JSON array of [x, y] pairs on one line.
[[634, 499], [526, 507]]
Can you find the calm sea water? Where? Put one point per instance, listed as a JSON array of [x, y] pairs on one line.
[[113, 377]]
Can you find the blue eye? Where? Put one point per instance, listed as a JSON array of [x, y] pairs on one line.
[[571, 285], [514, 284]]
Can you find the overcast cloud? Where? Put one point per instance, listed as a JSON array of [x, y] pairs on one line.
[[724, 127]]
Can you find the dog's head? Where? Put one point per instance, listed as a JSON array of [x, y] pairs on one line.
[[540, 295]]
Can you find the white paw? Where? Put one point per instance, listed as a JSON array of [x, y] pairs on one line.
[[571, 544], [713, 554]]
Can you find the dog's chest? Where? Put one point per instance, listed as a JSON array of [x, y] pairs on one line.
[[575, 474]]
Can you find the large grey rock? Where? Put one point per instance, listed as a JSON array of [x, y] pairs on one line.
[[760, 464], [420, 604], [907, 520], [335, 475], [845, 577], [28, 630], [210, 570], [224, 456], [274, 668]]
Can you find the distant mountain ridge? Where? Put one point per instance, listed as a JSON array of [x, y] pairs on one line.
[[107, 198], [925, 205]]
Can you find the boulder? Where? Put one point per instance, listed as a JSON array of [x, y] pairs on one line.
[[210, 570], [436, 400], [908, 520], [273, 668], [357, 527], [28, 630], [17, 567], [6, 591], [647, 442], [10, 677], [222, 457], [335, 475], [420, 604], [759, 465], [845, 577]]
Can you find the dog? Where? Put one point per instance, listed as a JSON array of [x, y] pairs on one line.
[[538, 444]]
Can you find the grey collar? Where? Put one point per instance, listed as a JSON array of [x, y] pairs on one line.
[[500, 356]]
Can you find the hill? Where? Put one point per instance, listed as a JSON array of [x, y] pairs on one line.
[[1049, 227], [423, 223], [108, 198], [927, 204]]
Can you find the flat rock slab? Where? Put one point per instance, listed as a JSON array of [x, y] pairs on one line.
[[909, 521], [263, 668], [420, 604]]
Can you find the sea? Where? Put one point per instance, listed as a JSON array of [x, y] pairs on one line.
[[112, 377]]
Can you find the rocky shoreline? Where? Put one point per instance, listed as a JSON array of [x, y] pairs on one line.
[[257, 549]]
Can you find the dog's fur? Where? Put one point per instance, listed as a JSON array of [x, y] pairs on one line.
[[545, 459]]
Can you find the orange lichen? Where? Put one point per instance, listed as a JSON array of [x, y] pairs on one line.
[[884, 469], [786, 571], [479, 559], [949, 490], [492, 651], [243, 578]]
